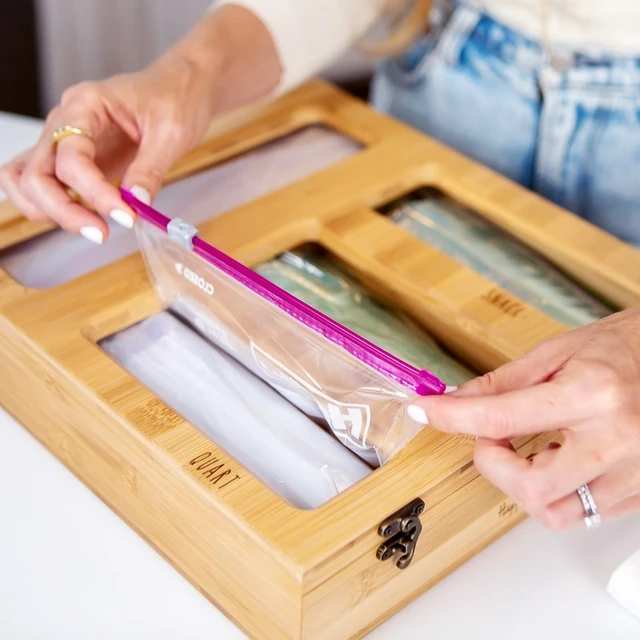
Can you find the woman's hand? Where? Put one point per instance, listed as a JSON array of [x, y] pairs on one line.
[[584, 384], [139, 125]]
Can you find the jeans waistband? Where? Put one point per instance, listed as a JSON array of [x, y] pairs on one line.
[[558, 66], [580, 70]]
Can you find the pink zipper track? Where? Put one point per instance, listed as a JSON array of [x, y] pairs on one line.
[[417, 380]]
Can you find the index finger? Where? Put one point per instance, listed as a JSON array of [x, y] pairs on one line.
[[51, 199], [543, 407], [76, 168]]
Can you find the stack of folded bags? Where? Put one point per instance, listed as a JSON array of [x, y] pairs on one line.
[[322, 284], [494, 254]]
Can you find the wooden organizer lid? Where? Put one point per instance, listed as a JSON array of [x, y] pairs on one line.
[[315, 567]]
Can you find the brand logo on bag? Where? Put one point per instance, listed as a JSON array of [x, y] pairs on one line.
[[352, 420], [194, 278]]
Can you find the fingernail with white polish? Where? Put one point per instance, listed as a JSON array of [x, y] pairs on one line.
[[93, 234], [142, 194], [418, 414], [123, 218], [450, 389]]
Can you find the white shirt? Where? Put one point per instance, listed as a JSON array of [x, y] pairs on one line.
[[310, 34]]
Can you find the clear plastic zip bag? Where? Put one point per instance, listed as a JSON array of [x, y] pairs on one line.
[[362, 391], [480, 245], [239, 412]]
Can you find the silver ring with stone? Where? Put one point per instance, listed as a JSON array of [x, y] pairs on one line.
[[592, 518]]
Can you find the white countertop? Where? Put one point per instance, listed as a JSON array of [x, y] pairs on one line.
[[71, 569]]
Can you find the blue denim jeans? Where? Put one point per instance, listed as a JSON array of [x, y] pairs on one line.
[[565, 124]]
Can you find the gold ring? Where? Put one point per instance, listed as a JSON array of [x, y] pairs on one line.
[[64, 132]]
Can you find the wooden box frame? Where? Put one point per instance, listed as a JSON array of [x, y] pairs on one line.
[[279, 572]]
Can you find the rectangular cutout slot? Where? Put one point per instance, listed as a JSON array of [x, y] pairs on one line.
[[237, 411], [467, 237], [286, 443], [58, 257]]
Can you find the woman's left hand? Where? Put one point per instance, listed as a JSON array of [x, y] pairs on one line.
[[584, 384]]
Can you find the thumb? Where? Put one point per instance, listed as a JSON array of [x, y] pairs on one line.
[[156, 155]]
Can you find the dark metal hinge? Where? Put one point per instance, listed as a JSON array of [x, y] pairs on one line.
[[401, 532]]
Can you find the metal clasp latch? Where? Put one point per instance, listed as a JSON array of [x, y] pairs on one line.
[[181, 232], [401, 531]]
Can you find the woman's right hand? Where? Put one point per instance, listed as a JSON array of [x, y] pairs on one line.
[[139, 124]]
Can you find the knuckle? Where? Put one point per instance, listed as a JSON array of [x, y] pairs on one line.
[[438, 416], [488, 381], [484, 462], [35, 214], [533, 493], [66, 171], [29, 182], [500, 425], [154, 173], [600, 457], [541, 350], [101, 200], [550, 346], [81, 92], [175, 137], [175, 129], [546, 351], [52, 117], [602, 383], [148, 174], [69, 95], [554, 519]]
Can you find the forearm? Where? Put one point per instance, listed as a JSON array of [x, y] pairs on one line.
[[246, 50], [232, 53], [309, 35]]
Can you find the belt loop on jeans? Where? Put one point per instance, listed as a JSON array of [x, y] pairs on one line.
[[462, 23]]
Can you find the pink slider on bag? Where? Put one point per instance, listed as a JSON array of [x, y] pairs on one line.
[[283, 339]]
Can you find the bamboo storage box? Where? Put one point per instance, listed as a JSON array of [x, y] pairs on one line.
[[277, 571]]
